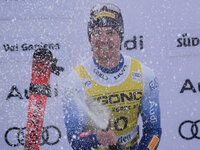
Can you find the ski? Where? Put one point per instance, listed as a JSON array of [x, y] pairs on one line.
[[39, 91]]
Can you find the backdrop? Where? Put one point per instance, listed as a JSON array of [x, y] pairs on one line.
[[164, 35]]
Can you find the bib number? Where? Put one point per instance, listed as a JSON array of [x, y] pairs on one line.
[[121, 123]]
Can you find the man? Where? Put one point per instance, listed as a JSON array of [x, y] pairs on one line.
[[120, 83]]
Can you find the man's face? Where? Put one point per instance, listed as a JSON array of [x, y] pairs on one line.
[[105, 42]]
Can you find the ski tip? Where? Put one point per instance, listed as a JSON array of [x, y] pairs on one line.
[[43, 53]]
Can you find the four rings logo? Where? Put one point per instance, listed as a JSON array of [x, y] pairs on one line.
[[193, 128], [15, 136]]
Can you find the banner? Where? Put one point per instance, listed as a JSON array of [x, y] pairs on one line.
[[164, 35], [26, 9], [17, 47]]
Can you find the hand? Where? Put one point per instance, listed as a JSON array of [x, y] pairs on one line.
[[106, 138]]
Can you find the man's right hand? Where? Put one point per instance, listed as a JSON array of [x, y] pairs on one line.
[[106, 138]]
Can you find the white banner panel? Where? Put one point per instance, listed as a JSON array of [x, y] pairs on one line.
[[23, 9], [164, 35], [14, 108], [184, 42], [19, 39]]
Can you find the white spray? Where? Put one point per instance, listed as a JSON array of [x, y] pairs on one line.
[[97, 112]]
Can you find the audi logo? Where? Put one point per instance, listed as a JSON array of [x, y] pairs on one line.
[[16, 136], [194, 129]]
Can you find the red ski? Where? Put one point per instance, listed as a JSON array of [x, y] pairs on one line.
[[39, 90]]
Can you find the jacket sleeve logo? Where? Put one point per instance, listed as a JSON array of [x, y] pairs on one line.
[[136, 76]]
